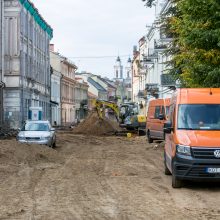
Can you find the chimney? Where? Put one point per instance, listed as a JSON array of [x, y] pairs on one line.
[[52, 47]]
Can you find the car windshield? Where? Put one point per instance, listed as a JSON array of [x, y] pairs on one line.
[[199, 117], [36, 127]]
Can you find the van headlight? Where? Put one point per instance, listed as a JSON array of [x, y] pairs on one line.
[[183, 150]]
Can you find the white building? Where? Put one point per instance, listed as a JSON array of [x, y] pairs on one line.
[[56, 75], [95, 88], [149, 78]]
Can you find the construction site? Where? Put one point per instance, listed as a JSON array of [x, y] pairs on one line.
[[93, 173]]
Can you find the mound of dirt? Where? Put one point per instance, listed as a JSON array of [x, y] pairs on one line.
[[93, 125], [31, 154]]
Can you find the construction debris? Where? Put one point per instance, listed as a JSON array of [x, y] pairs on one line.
[[7, 133]]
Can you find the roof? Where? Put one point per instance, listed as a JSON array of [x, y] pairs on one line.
[[37, 17], [198, 96], [96, 85], [107, 82], [91, 95]]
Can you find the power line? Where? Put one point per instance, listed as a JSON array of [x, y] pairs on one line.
[[94, 57]]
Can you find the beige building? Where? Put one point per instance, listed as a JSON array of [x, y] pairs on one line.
[[68, 83]]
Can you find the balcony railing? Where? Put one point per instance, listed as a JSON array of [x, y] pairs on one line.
[[159, 45], [152, 54], [141, 93], [167, 80]]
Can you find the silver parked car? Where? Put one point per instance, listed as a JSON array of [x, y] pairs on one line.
[[37, 132]]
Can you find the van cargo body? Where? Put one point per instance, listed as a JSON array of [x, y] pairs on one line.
[[192, 148], [156, 117]]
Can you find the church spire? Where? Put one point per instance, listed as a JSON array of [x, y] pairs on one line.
[[118, 69]]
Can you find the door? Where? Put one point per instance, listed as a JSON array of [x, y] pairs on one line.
[[157, 124]]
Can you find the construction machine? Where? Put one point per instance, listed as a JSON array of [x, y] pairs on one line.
[[132, 120], [127, 114], [101, 106]]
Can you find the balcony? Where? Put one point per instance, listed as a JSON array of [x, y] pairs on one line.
[[152, 89], [165, 37], [141, 93], [152, 54], [84, 102], [167, 80], [159, 45]]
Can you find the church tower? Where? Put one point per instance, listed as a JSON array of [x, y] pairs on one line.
[[128, 69], [118, 69]]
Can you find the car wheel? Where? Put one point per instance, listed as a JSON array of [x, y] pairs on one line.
[[176, 183], [150, 140], [54, 145]]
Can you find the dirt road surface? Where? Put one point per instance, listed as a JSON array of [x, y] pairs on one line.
[[91, 178]]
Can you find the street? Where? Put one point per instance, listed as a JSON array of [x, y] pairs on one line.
[[96, 177]]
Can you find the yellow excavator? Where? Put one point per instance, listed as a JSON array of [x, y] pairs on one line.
[[127, 114]]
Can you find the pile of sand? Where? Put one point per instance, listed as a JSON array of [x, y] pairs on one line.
[[93, 125]]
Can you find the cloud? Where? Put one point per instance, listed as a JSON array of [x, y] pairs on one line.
[[95, 28]]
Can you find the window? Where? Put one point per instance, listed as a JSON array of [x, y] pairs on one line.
[[199, 117], [157, 112]]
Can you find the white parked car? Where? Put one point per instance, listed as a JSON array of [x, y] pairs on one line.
[[37, 132]]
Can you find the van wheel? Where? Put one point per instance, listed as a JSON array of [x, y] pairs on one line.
[[166, 170], [150, 140], [176, 183]]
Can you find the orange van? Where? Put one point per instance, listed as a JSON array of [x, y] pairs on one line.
[[192, 148], [156, 117]]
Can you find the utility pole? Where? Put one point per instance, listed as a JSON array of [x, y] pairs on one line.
[[1, 59]]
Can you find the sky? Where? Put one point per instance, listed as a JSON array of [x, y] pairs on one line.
[[92, 33]]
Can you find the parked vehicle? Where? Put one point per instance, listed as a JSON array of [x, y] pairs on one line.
[[156, 117], [37, 132], [192, 148]]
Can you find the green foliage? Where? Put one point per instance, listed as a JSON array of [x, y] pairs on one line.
[[195, 49]]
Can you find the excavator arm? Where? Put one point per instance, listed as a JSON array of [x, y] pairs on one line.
[[101, 105]]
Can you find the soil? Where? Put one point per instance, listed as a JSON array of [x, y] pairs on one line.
[[96, 177], [93, 125]]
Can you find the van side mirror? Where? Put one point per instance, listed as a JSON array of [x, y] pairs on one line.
[[161, 116], [168, 127]]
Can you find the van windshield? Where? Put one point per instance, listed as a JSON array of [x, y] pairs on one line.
[[199, 117]]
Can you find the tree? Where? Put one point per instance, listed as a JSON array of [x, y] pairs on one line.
[[195, 48]]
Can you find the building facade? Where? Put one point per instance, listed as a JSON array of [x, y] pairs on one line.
[[107, 85], [95, 88], [56, 75], [26, 69], [1, 60], [68, 84], [81, 99], [122, 83], [149, 77]]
